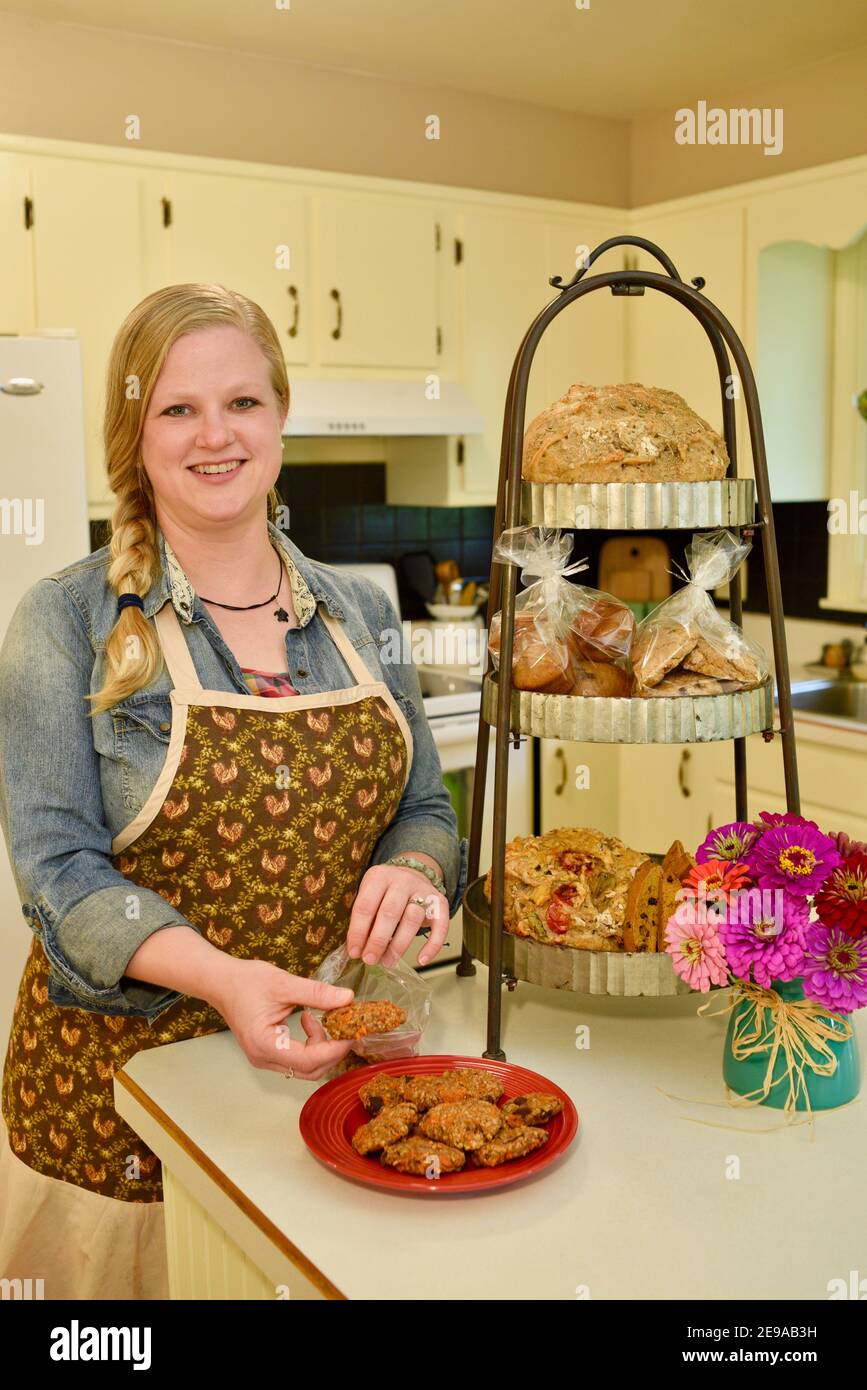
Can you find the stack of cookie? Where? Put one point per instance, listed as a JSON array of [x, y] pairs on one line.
[[670, 657], [428, 1124]]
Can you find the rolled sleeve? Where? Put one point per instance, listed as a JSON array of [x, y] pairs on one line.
[[425, 820], [89, 918]]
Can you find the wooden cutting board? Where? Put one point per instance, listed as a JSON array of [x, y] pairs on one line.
[[635, 569]]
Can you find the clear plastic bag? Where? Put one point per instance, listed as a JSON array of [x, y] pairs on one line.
[[568, 639], [685, 646], [398, 983]]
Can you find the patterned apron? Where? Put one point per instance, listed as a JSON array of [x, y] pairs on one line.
[[258, 831]]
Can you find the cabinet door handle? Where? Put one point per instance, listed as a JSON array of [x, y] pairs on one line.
[[292, 292], [338, 331], [681, 772], [560, 757]]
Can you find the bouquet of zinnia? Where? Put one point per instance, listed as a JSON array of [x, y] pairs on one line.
[[775, 899]]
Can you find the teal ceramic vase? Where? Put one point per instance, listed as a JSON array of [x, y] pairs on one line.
[[748, 1075]]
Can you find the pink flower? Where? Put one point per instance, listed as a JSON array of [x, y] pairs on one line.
[[729, 841], [764, 932], [835, 968], [696, 953]]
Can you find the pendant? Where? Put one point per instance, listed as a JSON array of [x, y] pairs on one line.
[[281, 615]]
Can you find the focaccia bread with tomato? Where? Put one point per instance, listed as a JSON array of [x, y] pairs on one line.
[[568, 887]]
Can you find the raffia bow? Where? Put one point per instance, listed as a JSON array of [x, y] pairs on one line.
[[802, 1028]]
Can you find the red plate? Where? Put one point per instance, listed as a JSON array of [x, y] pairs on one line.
[[332, 1114]]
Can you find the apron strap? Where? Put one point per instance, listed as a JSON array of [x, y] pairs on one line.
[[183, 672], [175, 649], [349, 653]]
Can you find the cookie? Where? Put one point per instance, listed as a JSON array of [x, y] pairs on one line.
[[422, 1156], [381, 1090], [464, 1124], [642, 903], [512, 1142], [392, 1123], [535, 1108], [733, 664], [658, 648], [361, 1018]]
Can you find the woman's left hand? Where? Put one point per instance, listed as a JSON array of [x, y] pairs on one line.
[[385, 921]]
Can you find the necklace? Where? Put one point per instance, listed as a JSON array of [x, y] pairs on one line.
[[279, 613]]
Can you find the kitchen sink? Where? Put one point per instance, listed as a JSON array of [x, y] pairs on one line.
[[841, 699]]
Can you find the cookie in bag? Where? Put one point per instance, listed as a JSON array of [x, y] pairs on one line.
[[685, 646]]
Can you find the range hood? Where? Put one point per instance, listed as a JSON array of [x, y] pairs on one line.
[[341, 409]]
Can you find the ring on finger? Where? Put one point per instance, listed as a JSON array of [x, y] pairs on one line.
[[289, 1074]]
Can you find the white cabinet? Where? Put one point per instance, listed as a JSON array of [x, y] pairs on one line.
[[646, 794], [16, 260], [793, 366], [89, 251], [504, 284], [376, 281], [666, 793], [832, 774], [579, 785], [795, 282], [251, 235], [665, 345], [586, 341]]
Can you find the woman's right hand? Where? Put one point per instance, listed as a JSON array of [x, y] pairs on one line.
[[255, 997]]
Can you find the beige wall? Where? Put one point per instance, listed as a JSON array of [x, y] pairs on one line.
[[824, 119], [74, 83], [71, 83]]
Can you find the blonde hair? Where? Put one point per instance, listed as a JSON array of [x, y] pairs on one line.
[[133, 654]]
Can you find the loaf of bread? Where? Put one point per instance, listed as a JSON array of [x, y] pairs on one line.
[[567, 887], [621, 434]]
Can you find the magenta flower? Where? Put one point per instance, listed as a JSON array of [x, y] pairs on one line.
[[795, 857], [835, 968], [767, 820], [763, 931], [696, 953], [730, 842]]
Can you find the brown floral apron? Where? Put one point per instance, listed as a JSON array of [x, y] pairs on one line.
[[258, 831]]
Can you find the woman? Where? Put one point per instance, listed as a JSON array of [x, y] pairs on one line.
[[201, 796]]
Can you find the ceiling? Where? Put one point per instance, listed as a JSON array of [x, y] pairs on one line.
[[618, 58]]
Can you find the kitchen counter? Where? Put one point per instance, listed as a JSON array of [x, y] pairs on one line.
[[643, 1205]]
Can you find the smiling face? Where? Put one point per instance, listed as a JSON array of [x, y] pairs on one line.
[[210, 443]]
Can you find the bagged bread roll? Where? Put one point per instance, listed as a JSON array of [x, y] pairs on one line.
[[685, 646], [568, 639], [602, 626], [621, 434], [541, 660]]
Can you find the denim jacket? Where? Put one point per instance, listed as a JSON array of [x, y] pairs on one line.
[[70, 783]]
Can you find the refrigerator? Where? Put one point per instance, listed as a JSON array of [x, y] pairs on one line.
[[43, 527]]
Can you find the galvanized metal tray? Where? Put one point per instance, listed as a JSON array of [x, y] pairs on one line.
[[563, 967], [658, 719], [640, 506]]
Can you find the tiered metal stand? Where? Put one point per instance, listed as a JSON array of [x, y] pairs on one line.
[[616, 506]]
